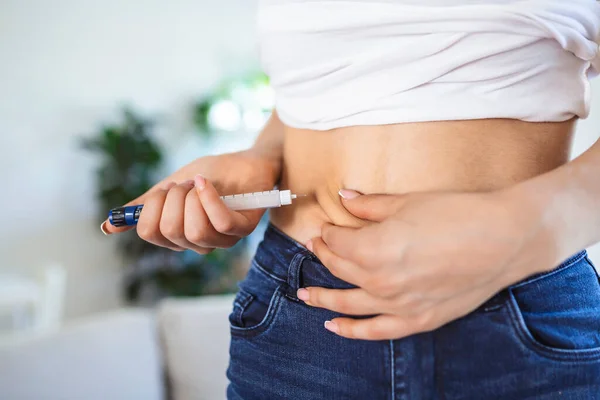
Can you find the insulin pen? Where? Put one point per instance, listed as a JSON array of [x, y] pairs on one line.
[[129, 215]]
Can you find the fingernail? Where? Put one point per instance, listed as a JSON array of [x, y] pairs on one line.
[[303, 294], [200, 182], [103, 228], [332, 327], [309, 245], [188, 183], [348, 194]]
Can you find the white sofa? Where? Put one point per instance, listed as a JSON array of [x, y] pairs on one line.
[[178, 352]]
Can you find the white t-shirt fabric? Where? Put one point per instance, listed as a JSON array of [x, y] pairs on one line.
[[339, 63]]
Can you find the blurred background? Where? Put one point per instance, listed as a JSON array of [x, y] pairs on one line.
[[98, 101]]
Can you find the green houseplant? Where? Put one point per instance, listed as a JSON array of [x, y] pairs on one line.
[[130, 161]]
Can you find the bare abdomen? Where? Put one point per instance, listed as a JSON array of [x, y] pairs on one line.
[[476, 155]]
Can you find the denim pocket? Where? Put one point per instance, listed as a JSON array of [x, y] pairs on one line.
[[557, 314], [256, 304]]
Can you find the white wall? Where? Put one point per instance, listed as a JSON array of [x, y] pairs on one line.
[[64, 67]]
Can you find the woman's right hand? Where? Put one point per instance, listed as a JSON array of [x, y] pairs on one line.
[[185, 211]]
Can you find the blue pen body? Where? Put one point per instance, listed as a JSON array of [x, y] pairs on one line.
[[125, 216]]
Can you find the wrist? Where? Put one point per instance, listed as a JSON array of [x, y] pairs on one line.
[[274, 161], [265, 151], [539, 235], [557, 213]]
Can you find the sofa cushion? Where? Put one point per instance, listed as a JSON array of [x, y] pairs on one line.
[[113, 355], [195, 337]]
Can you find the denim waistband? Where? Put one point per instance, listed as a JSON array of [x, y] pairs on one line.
[[286, 260]]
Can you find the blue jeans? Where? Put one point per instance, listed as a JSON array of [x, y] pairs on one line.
[[538, 339]]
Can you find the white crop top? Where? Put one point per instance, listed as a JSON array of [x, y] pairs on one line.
[[336, 63]]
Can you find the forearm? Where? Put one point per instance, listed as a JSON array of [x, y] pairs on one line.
[[269, 145], [567, 203], [270, 141]]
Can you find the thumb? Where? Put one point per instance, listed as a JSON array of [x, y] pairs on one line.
[[371, 207]]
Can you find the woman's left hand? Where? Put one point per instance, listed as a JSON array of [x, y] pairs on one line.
[[425, 259]]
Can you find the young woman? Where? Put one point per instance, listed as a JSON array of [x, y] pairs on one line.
[[440, 251]]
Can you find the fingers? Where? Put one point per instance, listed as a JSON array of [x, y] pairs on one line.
[[109, 229], [339, 267], [148, 227], [190, 215], [174, 213], [177, 220], [344, 301], [197, 227], [372, 207], [381, 327], [223, 219], [388, 326], [351, 243]]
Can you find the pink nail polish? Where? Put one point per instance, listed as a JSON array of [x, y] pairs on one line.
[[332, 327], [309, 245], [303, 294], [200, 182], [103, 228], [348, 194]]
